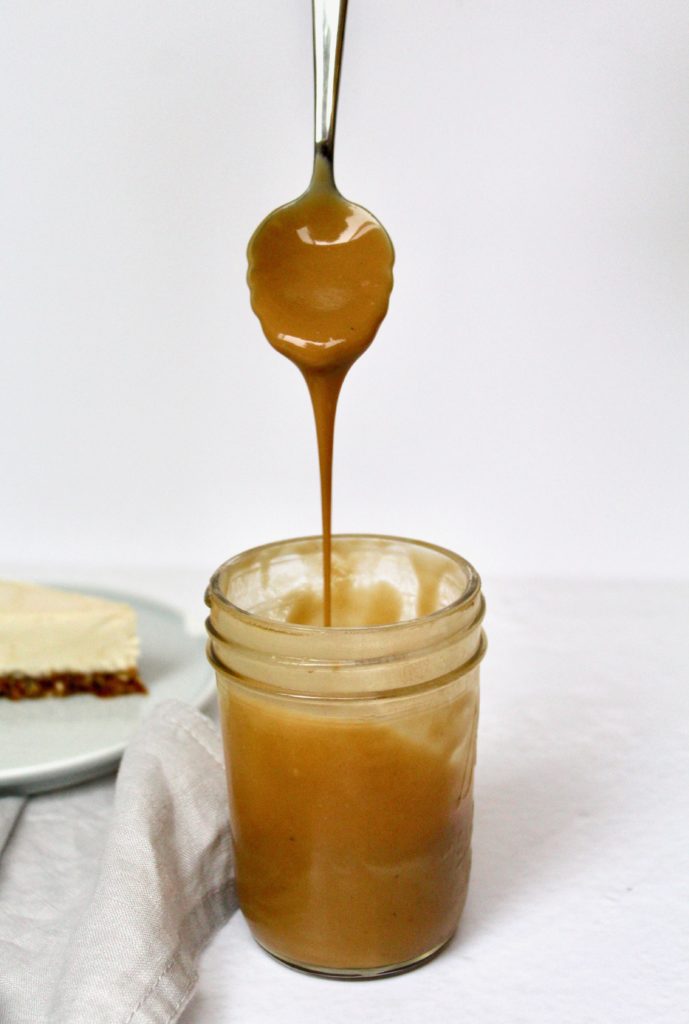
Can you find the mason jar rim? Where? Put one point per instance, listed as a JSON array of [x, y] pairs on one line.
[[471, 589]]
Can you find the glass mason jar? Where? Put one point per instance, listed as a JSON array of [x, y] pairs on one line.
[[349, 750]]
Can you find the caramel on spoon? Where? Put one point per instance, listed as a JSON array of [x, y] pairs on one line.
[[320, 270]]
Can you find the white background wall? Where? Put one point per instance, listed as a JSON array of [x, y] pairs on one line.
[[526, 401]]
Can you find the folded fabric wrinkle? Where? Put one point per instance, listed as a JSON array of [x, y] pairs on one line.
[[106, 916]]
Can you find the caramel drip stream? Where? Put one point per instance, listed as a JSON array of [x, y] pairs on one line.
[[324, 389]]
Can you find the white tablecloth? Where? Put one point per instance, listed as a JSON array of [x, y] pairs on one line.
[[579, 902]]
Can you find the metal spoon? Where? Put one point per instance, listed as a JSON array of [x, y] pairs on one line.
[[320, 268]]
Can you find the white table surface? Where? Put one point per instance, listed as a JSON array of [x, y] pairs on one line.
[[578, 908]]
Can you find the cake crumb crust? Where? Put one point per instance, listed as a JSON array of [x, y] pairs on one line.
[[17, 686]]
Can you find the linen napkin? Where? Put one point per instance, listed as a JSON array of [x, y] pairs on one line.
[[106, 924]]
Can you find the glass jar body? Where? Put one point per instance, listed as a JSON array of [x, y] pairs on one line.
[[350, 756]]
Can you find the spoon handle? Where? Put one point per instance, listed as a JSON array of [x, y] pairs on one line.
[[328, 33]]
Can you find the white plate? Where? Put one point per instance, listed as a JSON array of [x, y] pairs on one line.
[[54, 742]]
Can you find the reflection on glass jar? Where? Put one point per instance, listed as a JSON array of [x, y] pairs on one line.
[[350, 750]]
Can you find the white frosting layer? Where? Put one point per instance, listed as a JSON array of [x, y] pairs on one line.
[[43, 630]]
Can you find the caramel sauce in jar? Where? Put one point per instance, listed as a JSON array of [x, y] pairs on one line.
[[349, 750]]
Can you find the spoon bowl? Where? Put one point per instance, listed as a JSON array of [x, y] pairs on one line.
[[320, 277]]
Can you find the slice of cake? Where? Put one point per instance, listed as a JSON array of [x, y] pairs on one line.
[[54, 643]]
